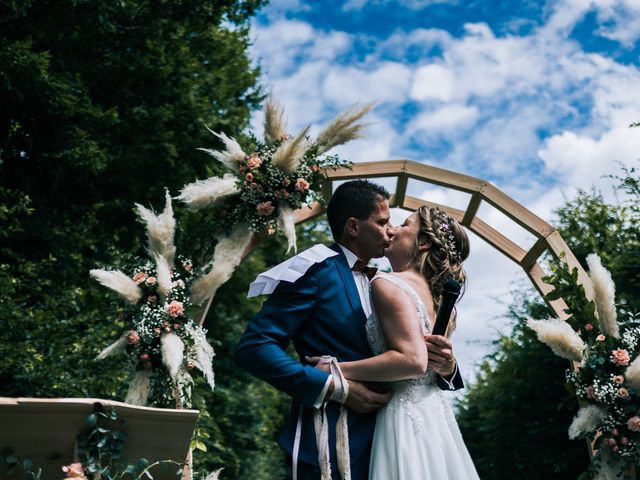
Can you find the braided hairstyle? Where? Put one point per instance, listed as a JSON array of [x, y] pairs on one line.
[[443, 260]]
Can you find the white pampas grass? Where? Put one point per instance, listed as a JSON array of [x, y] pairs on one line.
[[343, 128], [204, 193], [288, 155], [274, 124], [163, 273], [226, 258], [586, 421], [632, 374], [172, 349], [604, 293], [559, 335], [119, 283], [231, 156], [138, 393], [115, 348], [287, 223], [160, 229], [204, 356], [214, 475], [184, 386]]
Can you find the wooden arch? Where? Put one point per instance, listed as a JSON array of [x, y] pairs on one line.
[[547, 237]]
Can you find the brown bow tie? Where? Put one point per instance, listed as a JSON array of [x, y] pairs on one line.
[[361, 267]]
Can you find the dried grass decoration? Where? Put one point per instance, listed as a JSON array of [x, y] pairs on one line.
[[162, 339], [268, 181]]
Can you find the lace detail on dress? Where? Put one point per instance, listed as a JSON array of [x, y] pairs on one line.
[[408, 393]]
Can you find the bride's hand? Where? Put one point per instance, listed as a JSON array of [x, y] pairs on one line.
[[315, 361]]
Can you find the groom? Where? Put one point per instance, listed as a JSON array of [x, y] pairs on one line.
[[324, 313]]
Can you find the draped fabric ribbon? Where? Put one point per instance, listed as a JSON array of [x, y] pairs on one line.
[[321, 427]]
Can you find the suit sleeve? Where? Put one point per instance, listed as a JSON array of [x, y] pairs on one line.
[[454, 383], [261, 350]]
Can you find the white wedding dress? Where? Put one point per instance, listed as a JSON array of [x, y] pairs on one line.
[[416, 435]]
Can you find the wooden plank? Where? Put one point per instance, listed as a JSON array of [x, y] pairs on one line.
[[401, 190], [534, 253], [445, 178], [387, 168], [515, 211], [307, 213], [497, 240], [44, 430], [472, 208], [414, 203]]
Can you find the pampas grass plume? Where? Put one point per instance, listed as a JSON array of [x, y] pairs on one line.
[[287, 223], [586, 420], [343, 128], [604, 295], [226, 257], [204, 193], [232, 155], [172, 349], [274, 124], [119, 283], [115, 348], [288, 155], [163, 275], [559, 335], [215, 475], [160, 229], [204, 358], [632, 374], [138, 393]]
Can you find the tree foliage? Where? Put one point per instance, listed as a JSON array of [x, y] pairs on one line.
[[515, 418]]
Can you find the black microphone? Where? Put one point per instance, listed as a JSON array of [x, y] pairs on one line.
[[450, 292]]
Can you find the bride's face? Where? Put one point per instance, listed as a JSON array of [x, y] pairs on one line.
[[402, 247]]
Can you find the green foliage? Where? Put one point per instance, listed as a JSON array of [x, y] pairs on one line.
[[515, 418]]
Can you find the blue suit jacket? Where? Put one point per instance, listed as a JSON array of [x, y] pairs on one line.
[[321, 314]]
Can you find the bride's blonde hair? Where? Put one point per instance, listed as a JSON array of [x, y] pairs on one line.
[[443, 260]]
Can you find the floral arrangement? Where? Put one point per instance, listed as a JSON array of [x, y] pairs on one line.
[[265, 183], [162, 339], [603, 341]]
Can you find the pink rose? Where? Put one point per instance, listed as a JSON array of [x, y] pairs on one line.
[[253, 161], [190, 365], [314, 168], [590, 391], [618, 379], [600, 338], [286, 182], [176, 326], [151, 281], [139, 277], [634, 424], [284, 137], [74, 470], [249, 177], [133, 337], [188, 266], [624, 441], [254, 185], [144, 357], [284, 193], [152, 298], [302, 185], [620, 357], [609, 442], [588, 327], [615, 432], [265, 208], [175, 309], [623, 392], [277, 194]]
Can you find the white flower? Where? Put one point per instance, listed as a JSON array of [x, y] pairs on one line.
[[119, 283], [172, 348], [559, 335], [586, 421], [604, 293]]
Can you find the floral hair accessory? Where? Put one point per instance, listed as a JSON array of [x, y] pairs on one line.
[[449, 240]]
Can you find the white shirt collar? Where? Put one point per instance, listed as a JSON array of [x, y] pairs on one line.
[[352, 258]]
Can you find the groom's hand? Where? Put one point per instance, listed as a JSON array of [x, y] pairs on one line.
[[441, 357], [362, 399]]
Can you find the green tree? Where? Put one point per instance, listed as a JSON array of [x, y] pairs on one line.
[[515, 418]]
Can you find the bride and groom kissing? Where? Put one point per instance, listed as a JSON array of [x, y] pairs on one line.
[[367, 387]]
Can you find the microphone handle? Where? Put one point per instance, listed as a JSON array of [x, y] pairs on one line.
[[444, 312]]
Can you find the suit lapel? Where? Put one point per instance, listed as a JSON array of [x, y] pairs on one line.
[[349, 282]]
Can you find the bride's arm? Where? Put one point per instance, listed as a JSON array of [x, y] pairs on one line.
[[407, 354]]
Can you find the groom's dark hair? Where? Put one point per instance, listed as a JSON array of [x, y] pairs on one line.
[[355, 198]]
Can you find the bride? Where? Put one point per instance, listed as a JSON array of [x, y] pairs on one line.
[[416, 434]]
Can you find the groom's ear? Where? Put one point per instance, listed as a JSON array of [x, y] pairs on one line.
[[351, 227]]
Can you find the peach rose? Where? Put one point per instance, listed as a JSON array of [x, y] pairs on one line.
[[249, 177], [133, 337], [600, 338], [634, 423], [618, 379], [74, 470], [190, 365], [620, 357], [253, 161], [175, 308], [624, 441], [588, 327], [139, 277], [265, 208], [302, 185], [623, 392], [144, 357], [151, 281]]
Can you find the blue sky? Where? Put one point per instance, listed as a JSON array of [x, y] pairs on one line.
[[533, 96]]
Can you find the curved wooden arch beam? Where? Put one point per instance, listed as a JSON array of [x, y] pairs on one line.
[[547, 237]]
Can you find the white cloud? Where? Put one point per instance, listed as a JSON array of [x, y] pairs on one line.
[[352, 5], [443, 119], [433, 82]]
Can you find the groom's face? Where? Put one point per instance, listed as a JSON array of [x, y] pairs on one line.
[[374, 233]]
